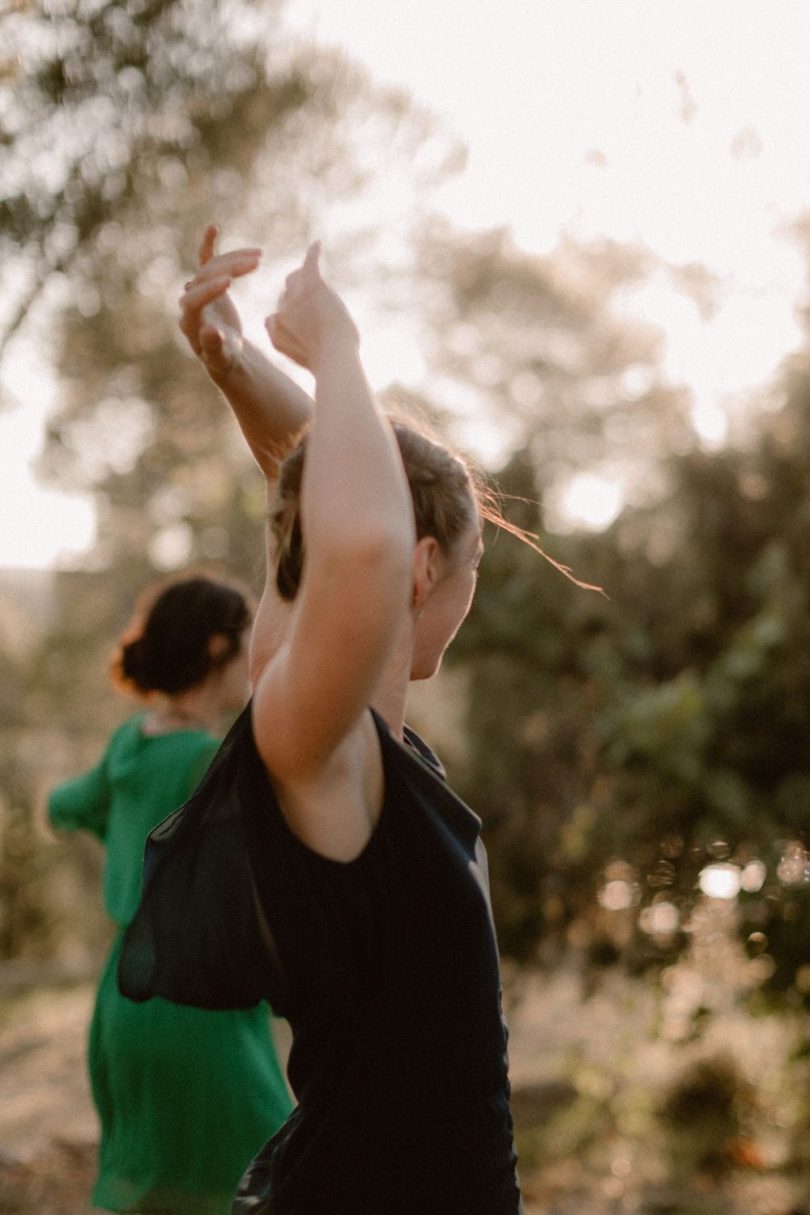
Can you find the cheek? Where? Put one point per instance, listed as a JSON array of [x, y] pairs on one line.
[[469, 590], [460, 601]]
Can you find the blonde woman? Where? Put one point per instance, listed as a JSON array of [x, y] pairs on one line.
[[368, 874]]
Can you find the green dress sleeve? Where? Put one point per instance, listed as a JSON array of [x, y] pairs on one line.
[[83, 802]]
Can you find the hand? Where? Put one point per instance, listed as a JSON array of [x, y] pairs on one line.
[[310, 316], [208, 316]]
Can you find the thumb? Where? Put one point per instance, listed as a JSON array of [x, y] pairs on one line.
[[311, 270]]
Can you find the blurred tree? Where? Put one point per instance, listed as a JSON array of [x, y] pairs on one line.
[[542, 347], [621, 745], [104, 103], [127, 127], [123, 126], [617, 745], [124, 129], [49, 709]]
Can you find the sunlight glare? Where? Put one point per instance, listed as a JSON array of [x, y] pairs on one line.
[[753, 876], [720, 881], [675, 130], [42, 526], [171, 547], [592, 500], [660, 919], [617, 895]]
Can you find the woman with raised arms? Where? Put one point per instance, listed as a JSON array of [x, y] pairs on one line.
[[368, 873]]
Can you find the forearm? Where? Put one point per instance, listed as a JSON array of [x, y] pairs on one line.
[[269, 407], [81, 802]]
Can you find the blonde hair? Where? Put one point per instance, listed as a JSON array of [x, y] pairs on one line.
[[442, 490], [448, 494]]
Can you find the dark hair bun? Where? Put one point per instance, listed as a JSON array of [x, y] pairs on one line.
[[132, 665], [171, 649]]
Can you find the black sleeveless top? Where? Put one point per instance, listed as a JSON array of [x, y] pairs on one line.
[[386, 967]]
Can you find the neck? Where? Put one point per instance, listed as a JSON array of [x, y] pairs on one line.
[[195, 709], [390, 704], [391, 693]]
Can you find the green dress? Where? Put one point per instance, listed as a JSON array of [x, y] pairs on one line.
[[185, 1097]]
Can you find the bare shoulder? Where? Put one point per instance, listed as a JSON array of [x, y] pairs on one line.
[[335, 810]]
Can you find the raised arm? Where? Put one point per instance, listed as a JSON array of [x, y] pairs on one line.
[[358, 532], [82, 802], [269, 407]]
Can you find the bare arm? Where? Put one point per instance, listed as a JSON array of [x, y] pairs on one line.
[[269, 406], [357, 521]]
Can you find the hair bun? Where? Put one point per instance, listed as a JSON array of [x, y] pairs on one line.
[[168, 647], [134, 664]]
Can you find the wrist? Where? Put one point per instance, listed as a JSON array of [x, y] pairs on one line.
[[241, 369], [336, 349]]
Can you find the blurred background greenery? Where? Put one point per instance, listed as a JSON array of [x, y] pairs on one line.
[[640, 758]]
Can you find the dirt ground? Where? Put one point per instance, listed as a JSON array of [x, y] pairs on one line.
[[49, 1133], [48, 1127]]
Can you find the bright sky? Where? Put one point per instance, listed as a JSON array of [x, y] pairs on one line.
[[681, 126]]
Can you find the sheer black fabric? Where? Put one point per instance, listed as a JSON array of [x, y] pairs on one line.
[[195, 938]]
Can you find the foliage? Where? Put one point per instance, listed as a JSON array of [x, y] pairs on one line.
[[618, 743], [622, 743], [124, 129], [708, 1111], [541, 348], [614, 1115], [126, 126], [103, 104]]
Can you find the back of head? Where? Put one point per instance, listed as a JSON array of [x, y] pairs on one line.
[[443, 492], [168, 648]]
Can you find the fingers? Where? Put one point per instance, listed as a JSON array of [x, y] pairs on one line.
[[211, 334], [310, 270], [211, 283], [213, 269], [207, 244], [236, 263], [196, 296]]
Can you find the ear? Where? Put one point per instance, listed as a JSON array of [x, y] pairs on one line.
[[426, 562], [218, 646]]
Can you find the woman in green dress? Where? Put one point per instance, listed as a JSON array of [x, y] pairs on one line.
[[185, 1097]]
